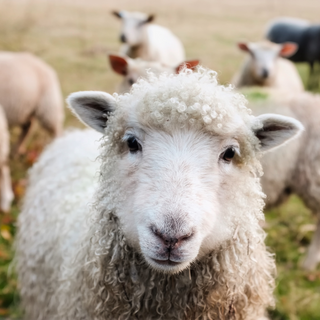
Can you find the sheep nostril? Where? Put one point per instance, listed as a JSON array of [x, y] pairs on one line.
[[186, 237], [265, 73], [123, 38], [171, 242]]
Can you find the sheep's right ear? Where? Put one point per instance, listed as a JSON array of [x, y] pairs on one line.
[[275, 130], [117, 14], [150, 18], [288, 49], [92, 108], [243, 46], [119, 64], [191, 64]]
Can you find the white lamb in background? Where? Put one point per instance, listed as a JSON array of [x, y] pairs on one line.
[[148, 41], [295, 167], [173, 230], [29, 88], [6, 193], [133, 69], [265, 67]]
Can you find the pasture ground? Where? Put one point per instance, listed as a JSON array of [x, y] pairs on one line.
[[75, 36]]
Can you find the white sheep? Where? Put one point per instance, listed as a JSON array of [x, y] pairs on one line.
[[6, 193], [133, 69], [29, 88], [264, 66], [148, 41], [173, 230], [295, 167]]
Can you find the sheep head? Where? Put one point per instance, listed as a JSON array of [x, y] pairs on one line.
[[132, 26], [180, 163], [133, 69], [263, 57]]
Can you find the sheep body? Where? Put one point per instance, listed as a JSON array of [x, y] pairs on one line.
[[81, 263], [286, 77], [30, 89], [148, 41], [6, 193], [63, 211], [264, 67], [294, 168]]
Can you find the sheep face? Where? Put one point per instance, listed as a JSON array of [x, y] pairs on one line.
[[263, 58], [180, 163], [133, 26], [174, 211]]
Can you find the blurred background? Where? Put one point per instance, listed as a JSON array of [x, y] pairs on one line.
[[75, 36]]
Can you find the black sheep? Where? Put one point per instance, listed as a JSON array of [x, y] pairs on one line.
[[306, 35]]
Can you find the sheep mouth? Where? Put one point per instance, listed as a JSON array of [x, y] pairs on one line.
[[167, 262]]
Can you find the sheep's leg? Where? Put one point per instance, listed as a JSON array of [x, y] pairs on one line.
[[311, 75], [6, 193], [317, 80], [314, 76], [313, 255], [25, 132]]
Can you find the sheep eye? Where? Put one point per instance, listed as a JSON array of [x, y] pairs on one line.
[[133, 145], [229, 154]]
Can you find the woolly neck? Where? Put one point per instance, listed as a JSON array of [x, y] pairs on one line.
[[226, 284]]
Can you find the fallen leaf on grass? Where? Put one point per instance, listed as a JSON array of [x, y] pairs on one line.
[[4, 255], [3, 311], [19, 188], [7, 219], [307, 228], [32, 156], [313, 276], [5, 233]]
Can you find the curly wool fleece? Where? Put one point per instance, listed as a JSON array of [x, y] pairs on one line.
[[106, 278]]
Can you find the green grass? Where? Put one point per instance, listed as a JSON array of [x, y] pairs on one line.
[[75, 36], [289, 233]]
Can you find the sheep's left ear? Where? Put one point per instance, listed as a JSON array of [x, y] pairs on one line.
[[276, 130], [92, 108], [187, 64], [243, 46], [288, 49], [119, 64], [149, 19], [117, 14]]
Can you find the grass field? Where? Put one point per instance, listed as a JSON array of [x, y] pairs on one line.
[[75, 36]]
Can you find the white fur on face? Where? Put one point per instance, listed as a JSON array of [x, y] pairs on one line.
[[264, 61], [174, 186], [132, 27]]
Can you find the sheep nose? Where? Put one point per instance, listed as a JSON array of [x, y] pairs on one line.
[[265, 73], [123, 38], [169, 241]]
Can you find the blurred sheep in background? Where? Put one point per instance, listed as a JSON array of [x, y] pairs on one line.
[[133, 69], [29, 88], [148, 41], [6, 193], [265, 67], [306, 36], [295, 167]]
